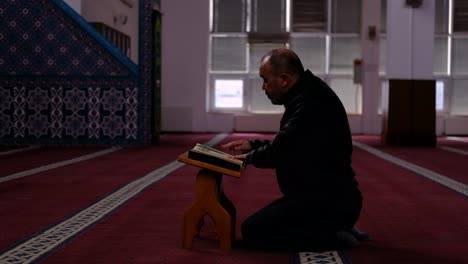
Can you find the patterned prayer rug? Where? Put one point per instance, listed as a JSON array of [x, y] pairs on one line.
[[325, 257], [354, 238]]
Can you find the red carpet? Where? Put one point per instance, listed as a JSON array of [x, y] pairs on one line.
[[21, 161], [411, 219], [34, 202], [148, 230], [447, 163]]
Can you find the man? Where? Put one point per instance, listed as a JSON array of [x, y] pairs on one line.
[[311, 154]]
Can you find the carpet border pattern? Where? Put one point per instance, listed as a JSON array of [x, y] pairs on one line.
[[325, 257]]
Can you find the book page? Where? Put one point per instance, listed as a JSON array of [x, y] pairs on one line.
[[215, 153]]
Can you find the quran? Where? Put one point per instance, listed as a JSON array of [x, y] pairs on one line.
[[215, 157], [212, 159]]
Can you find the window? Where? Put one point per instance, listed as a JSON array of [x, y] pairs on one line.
[[228, 53], [346, 16], [442, 17], [229, 16], [460, 55], [228, 93], [439, 96], [460, 16], [324, 33], [344, 50], [312, 50], [458, 47], [268, 16], [349, 93], [459, 102], [309, 16], [441, 55]]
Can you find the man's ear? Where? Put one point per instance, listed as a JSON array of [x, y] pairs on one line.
[[285, 80]]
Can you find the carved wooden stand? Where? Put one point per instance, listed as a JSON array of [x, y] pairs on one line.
[[209, 200]]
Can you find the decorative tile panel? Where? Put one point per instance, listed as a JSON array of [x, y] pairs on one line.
[[40, 39], [62, 83], [60, 109]]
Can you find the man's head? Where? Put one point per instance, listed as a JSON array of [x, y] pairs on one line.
[[280, 69]]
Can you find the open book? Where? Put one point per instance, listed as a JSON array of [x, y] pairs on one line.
[[215, 157]]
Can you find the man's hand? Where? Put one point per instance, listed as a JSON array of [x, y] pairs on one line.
[[243, 146]]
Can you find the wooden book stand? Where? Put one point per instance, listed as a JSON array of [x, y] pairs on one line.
[[209, 200]]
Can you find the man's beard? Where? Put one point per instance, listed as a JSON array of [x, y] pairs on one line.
[[275, 101]]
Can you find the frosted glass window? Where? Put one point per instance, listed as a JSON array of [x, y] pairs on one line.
[[259, 102], [257, 51], [346, 16], [268, 16], [460, 16], [439, 95], [344, 50], [460, 56], [441, 16], [309, 16], [229, 93], [229, 16], [311, 50], [383, 98], [459, 102], [349, 94], [440, 55], [228, 54]]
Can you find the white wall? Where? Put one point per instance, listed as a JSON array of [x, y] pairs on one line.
[[185, 34], [75, 4]]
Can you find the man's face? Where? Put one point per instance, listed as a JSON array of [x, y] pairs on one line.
[[272, 85]]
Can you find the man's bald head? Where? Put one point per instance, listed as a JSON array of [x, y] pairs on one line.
[[284, 61], [280, 70]]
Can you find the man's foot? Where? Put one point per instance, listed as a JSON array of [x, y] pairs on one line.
[[346, 239], [361, 236]]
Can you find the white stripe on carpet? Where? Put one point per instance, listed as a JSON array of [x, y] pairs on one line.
[[460, 139], [57, 164], [459, 151], [47, 240], [439, 178], [13, 151]]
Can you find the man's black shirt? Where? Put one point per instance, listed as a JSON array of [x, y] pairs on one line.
[[312, 150]]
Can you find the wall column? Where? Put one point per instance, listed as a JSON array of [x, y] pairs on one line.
[[370, 29], [409, 117], [410, 40]]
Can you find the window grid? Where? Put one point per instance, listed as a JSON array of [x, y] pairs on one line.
[[249, 68], [450, 67]]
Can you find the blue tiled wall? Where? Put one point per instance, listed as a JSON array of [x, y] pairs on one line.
[[63, 83]]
